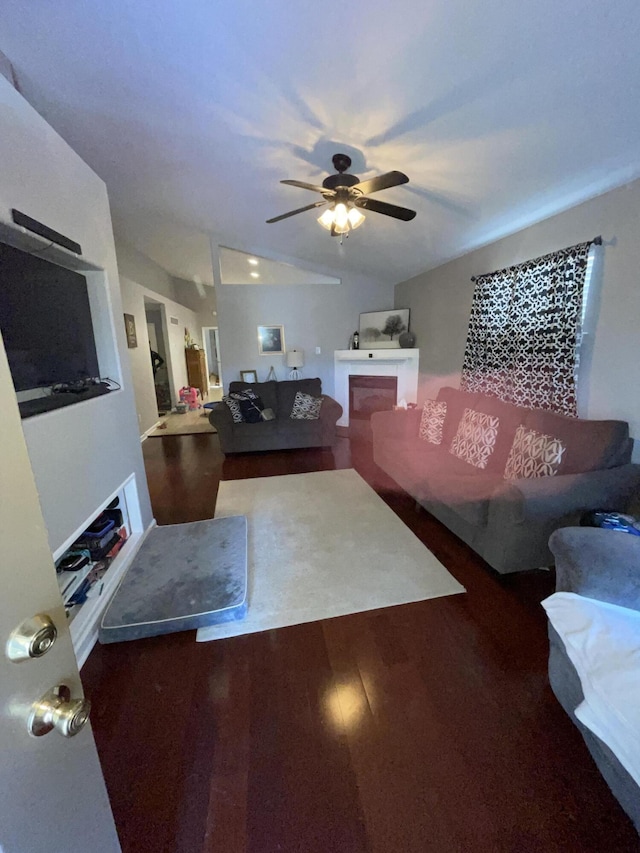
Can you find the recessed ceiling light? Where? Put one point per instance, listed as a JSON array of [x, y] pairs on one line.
[[253, 262], [255, 275]]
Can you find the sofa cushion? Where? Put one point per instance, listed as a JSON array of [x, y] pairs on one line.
[[286, 392], [533, 454], [443, 478], [305, 407], [432, 421], [475, 438], [591, 445], [264, 429], [457, 401], [265, 390], [300, 430]]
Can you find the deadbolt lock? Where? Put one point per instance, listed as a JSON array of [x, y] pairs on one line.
[[32, 639]]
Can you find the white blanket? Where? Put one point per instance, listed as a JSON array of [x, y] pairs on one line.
[[603, 643]]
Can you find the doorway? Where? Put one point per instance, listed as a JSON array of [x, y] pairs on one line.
[[157, 336], [211, 342]]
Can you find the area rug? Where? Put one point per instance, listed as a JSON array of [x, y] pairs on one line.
[[187, 424], [322, 545]]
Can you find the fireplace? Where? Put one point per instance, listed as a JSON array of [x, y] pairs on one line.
[[400, 365], [369, 394]]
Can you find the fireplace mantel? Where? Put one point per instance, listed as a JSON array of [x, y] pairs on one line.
[[402, 363]]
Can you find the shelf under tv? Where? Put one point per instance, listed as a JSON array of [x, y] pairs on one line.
[[28, 408]]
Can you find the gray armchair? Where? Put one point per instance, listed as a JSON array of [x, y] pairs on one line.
[[605, 565]]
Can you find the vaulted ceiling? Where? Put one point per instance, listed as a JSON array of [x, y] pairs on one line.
[[501, 112]]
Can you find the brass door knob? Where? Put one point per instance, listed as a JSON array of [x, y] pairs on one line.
[[57, 710], [32, 638]]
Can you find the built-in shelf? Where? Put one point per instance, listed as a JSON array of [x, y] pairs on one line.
[[85, 618]]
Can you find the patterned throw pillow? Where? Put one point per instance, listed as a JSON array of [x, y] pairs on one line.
[[238, 401], [533, 454], [305, 407], [475, 438], [251, 407], [234, 406], [432, 421]]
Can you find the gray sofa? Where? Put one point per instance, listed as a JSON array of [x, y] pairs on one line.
[[282, 433], [605, 565], [507, 522]]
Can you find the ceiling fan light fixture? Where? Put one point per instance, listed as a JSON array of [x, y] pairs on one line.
[[326, 220], [355, 218], [341, 218]]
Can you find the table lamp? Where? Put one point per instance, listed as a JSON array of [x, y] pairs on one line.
[[295, 360]]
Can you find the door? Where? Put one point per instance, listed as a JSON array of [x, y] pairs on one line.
[[212, 350], [53, 795]]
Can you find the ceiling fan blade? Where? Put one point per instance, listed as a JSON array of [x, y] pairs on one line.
[[387, 209], [313, 187], [381, 182], [293, 212]]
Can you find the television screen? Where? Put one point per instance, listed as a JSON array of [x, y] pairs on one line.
[[45, 320]]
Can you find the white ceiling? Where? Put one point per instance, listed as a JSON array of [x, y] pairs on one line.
[[501, 112]]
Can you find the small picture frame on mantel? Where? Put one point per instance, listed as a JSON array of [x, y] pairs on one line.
[[249, 376], [382, 329]]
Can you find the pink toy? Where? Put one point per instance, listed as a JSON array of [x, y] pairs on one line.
[[191, 396]]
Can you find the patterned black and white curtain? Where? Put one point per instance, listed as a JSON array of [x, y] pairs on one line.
[[525, 329]]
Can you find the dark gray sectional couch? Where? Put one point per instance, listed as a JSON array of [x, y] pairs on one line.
[[507, 522], [283, 432]]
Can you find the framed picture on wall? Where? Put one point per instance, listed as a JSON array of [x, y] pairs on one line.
[[130, 328], [249, 375], [271, 340], [381, 329]]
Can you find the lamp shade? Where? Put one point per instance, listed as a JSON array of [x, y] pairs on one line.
[[295, 358]]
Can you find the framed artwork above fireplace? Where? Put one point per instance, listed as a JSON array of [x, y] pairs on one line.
[[381, 329]]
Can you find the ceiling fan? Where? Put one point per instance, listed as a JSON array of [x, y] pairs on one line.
[[347, 195]]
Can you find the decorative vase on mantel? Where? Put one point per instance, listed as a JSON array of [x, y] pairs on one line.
[[407, 340]]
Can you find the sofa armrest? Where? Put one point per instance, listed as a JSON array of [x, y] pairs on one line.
[[330, 410], [555, 498], [403, 424], [598, 563], [221, 418]]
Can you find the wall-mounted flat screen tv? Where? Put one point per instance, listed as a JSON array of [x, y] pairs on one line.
[[45, 320]]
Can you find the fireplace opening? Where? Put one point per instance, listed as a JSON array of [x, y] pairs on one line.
[[369, 394]]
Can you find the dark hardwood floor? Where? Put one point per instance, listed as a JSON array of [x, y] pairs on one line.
[[425, 727]]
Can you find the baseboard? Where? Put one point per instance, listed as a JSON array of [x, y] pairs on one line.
[[148, 432]]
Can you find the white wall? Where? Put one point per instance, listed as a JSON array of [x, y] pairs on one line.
[[139, 357], [323, 315], [201, 299], [440, 302], [82, 453], [133, 300], [135, 266]]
